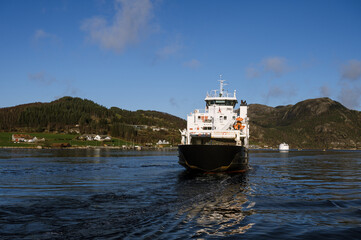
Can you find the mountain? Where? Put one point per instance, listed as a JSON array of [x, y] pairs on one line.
[[314, 123], [68, 114]]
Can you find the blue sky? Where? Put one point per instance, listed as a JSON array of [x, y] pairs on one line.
[[165, 55]]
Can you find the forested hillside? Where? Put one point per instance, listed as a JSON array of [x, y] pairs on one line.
[[69, 114], [313, 123]]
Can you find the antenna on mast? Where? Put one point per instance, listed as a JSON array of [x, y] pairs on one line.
[[221, 85]]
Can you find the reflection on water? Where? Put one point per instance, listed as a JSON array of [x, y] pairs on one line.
[[283, 154], [219, 203], [112, 194]]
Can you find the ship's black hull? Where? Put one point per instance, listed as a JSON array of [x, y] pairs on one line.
[[213, 158]]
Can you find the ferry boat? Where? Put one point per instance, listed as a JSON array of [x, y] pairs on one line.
[[284, 147], [216, 138]]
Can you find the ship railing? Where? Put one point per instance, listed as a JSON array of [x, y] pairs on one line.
[[217, 95], [199, 111]]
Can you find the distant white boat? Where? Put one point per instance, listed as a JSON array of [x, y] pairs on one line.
[[284, 147]]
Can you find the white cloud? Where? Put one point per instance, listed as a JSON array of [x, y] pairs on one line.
[[193, 64], [131, 20], [352, 70]]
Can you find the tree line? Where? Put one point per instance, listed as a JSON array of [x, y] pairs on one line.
[[68, 113]]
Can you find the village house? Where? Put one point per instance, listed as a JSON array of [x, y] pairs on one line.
[[23, 138], [94, 137], [157, 129], [97, 138], [163, 143]]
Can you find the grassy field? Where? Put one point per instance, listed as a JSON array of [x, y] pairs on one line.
[[50, 138]]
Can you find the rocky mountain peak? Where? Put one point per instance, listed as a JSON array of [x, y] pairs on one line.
[[312, 107]]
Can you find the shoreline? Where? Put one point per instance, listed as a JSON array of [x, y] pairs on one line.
[[91, 147], [166, 148]]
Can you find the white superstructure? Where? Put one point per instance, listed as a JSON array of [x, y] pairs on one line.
[[219, 122]]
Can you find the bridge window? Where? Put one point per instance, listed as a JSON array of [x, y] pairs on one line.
[[222, 102]]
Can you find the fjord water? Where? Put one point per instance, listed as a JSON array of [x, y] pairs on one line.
[[113, 194]]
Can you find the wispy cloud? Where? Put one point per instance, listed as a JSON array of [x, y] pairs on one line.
[[193, 64], [172, 49], [350, 93], [252, 72], [351, 70], [173, 102], [325, 91], [70, 90], [40, 35], [276, 92], [350, 97], [45, 79], [41, 78], [277, 66], [131, 19], [169, 50]]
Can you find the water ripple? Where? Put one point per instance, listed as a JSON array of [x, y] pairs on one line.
[[115, 194]]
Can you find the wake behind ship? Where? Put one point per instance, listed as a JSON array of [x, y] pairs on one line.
[[216, 139]]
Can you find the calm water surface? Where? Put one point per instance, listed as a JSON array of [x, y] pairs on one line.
[[112, 194]]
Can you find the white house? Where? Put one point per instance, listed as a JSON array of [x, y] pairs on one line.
[[164, 142], [23, 138], [94, 137], [97, 138]]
